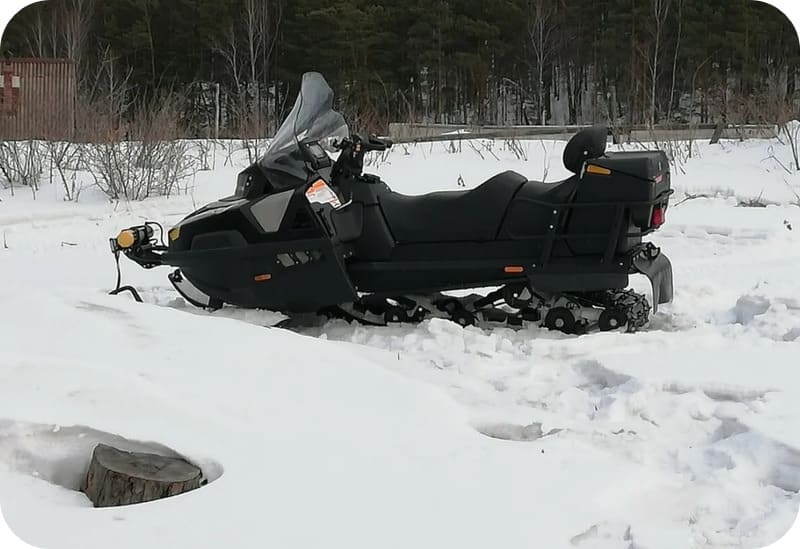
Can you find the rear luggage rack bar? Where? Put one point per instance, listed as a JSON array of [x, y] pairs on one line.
[[658, 200]]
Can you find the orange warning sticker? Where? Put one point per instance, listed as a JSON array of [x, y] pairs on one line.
[[320, 193]]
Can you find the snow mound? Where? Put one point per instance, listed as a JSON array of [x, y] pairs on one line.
[[748, 307], [770, 317]]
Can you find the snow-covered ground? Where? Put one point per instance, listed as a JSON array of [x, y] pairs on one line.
[[684, 435]]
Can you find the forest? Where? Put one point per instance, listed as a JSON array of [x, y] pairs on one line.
[[232, 67]]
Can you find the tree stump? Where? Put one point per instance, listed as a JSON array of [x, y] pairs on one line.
[[123, 478]]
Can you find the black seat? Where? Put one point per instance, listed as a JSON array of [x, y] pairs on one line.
[[550, 193], [460, 216]]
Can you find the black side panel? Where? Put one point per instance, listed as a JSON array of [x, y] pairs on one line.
[[409, 277], [532, 211], [604, 220], [348, 222], [218, 240], [298, 276], [376, 242]]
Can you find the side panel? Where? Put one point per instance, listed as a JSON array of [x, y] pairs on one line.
[[298, 276], [408, 277], [270, 211]]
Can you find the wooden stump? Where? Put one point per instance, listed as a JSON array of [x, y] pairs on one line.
[[124, 478]]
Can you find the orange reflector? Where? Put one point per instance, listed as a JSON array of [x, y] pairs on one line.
[[514, 269], [262, 278], [597, 170]]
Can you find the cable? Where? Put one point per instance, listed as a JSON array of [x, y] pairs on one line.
[[119, 271], [118, 290], [161, 231]]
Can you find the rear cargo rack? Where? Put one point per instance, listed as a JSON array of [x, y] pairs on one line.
[[561, 213]]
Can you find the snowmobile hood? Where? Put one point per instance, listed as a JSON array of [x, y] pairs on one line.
[[214, 208]]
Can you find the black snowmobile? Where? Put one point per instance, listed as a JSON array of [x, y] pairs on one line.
[[304, 234]]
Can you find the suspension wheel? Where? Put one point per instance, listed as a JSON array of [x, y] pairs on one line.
[[448, 304], [511, 295], [395, 315], [463, 318], [560, 319], [612, 319]]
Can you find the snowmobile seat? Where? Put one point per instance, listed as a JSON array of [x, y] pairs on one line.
[[463, 216], [552, 193]]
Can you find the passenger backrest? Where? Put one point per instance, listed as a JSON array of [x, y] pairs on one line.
[[586, 145]]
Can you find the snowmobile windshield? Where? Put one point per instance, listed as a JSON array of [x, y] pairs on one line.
[[311, 119]]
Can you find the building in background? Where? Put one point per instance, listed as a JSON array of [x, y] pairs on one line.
[[37, 99]]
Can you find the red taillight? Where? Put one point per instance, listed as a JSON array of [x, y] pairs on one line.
[[659, 217]]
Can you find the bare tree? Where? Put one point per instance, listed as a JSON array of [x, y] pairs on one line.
[[660, 11], [229, 50], [74, 18], [679, 16], [39, 35], [541, 26]]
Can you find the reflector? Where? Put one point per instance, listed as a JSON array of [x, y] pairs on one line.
[[659, 217]]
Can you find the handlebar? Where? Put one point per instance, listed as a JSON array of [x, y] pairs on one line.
[[371, 144], [354, 148], [380, 145]]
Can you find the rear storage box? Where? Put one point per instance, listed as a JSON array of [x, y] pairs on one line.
[[635, 177]]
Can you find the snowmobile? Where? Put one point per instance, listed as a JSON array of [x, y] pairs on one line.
[[306, 235]]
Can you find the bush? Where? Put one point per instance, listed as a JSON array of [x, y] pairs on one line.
[[21, 163], [144, 158]]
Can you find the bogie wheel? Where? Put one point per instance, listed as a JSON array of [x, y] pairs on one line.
[[463, 318], [560, 319], [418, 315], [448, 304], [512, 295], [395, 315], [612, 319]]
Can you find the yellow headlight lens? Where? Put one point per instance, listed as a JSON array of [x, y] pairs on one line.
[[126, 239], [175, 234]]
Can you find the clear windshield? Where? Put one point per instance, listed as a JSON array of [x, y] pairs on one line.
[[311, 119]]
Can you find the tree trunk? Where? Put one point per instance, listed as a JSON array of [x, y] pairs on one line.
[[717, 133], [123, 478]]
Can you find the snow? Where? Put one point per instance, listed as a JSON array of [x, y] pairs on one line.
[[431, 435]]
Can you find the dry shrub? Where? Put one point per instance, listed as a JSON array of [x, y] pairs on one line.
[[142, 158], [21, 164]]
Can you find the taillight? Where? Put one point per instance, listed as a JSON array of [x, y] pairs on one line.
[[659, 217]]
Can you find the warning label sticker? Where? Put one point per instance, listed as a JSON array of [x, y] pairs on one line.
[[321, 193]]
